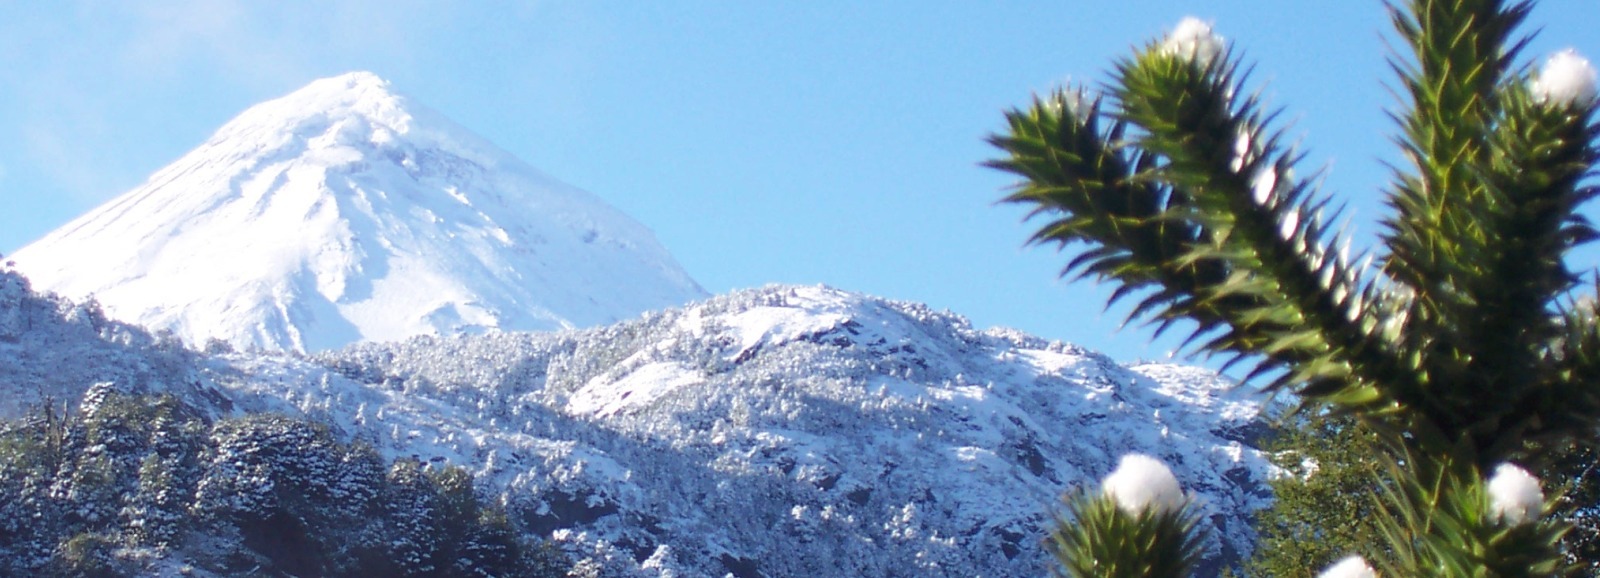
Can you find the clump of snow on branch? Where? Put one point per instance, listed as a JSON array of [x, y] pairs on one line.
[[1349, 567], [1514, 495], [1141, 482], [1567, 79], [1193, 39]]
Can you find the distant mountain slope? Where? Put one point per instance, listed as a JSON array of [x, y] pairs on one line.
[[785, 431], [346, 212]]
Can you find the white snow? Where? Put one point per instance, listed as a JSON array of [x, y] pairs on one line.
[[1349, 567], [1140, 483], [1567, 78], [808, 430], [784, 324], [1193, 39], [607, 394], [346, 212], [1514, 495]]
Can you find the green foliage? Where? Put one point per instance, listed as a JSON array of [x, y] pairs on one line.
[[1436, 520], [1581, 500], [1097, 539], [289, 488], [1464, 350], [1322, 509], [1483, 220], [154, 514], [28, 516], [106, 454], [130, 478], [1185, 196], [87, 555], [433, 523]]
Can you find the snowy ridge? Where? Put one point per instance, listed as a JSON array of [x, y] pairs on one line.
[[784, 431], [52, 350], [345, 212]]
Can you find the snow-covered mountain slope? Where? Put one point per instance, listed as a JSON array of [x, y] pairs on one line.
[[345, 212], [785, 431]]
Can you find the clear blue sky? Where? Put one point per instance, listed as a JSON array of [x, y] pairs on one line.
[[801, 142]]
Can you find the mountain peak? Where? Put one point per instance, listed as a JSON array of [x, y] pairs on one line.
[[351, 108], [358, 84], [352, 93], [354, 79], [347, 212]]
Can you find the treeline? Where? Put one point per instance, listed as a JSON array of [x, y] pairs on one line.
[[134, 485], [1323, 508]]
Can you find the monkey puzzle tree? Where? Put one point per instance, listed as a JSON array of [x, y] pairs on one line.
[[1465, 349]]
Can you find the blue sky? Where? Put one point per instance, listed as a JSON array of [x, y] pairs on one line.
[[803, 142]]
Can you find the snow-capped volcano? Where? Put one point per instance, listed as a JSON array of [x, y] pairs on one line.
[[345, 212]]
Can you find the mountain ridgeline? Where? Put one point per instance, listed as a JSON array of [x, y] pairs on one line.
[[783, 431]]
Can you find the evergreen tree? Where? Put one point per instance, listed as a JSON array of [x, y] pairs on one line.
[[128, 478], [1580, 499], [30, 453], [1463, 352], [86, 555], [1321, 511]]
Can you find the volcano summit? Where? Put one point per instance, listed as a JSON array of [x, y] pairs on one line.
[[345, 212]]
